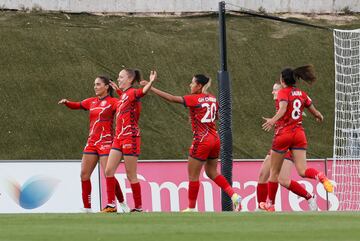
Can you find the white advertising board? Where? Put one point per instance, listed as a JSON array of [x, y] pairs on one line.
[[44, 187]]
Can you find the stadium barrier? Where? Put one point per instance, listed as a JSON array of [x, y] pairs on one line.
[[54, 186], [30, 186]]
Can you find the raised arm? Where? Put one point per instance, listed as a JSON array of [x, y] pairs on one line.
[[270, 122], [317, 114], [152, 78]]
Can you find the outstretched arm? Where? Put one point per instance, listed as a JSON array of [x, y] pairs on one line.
[[69, 104], [270, 122], [317, 114], [163, 94]]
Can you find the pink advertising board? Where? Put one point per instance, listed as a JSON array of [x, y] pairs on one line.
[[164, 187]]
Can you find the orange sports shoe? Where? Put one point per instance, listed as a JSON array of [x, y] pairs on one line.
[[109, 209], [268, 207], [329, 187]]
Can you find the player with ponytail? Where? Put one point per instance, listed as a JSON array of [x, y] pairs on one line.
[[290, 134], [127, 138], [205, 147]]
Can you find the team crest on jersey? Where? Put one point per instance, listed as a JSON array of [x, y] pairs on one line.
[[103, 103]]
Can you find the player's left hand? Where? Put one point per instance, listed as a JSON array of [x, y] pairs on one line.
[[269, 123]]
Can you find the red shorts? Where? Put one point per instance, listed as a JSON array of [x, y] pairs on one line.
[[100, 149], [205, 148], [287, 156], [289, 139], [129, 146]]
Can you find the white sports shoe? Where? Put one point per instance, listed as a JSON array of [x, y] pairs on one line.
[[125, 208], [86, 210], [236, 199], [313, 204], [189, 210]]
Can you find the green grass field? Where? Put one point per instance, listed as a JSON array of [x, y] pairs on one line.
[[48, 56], [179, 226]]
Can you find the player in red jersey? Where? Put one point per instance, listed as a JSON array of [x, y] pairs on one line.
[[290, 134], [126, 142], [284, 175], [101, 114], [205, 147]]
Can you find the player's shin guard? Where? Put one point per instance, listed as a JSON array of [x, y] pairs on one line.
[[262, 192], [110, 189], [272, 189], [86, 193], [136, 190], [118, 193], [296, 188], [224, 185], [193, 193]]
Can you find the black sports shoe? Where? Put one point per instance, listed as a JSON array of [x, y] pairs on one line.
[[136, 210]]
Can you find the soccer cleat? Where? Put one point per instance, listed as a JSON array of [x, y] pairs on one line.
[[189, 210], [268, 207], [236, 199], [109, 209], [86, 210], [312, 203], [326, 182], [136, 210], [125, 208]]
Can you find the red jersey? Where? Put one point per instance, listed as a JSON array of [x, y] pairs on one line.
[[297, 100], [128, 113], [203, 113], [101, 117]]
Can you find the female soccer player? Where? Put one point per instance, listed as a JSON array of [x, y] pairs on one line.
[[290, 134], [205, 147], [101, 113], [284, 175], [126, 142]]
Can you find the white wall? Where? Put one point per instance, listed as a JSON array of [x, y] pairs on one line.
[[156, 6]]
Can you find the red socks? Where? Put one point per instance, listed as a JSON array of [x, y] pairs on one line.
[[86, 193], [118, 193], [311, 173], [262, 192], [193, 193], [272, 189], [296, 188], [110, 189], [224, 185], [136, 190]]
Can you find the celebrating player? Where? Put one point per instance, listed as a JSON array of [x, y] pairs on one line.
[[290, 134], [126, 142], [205, 147], [284, 175], [101, 113]]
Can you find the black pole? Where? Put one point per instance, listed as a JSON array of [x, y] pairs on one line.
[[225, 125]]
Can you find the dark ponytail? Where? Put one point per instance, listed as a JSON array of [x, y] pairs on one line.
[[106, 81], [134, 74], [204, 81], [291, 76]]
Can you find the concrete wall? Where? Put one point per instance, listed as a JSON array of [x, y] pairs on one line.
[[177, 6]]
